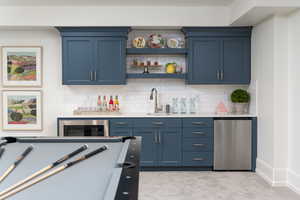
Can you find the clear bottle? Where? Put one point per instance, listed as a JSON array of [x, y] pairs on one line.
[[183, 107], [99, 104], [104, 104], [192, 105], [174, 105]]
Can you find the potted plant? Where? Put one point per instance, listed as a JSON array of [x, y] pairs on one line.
[[240, 99]]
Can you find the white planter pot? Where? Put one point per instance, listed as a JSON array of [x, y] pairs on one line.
[[241, 108]]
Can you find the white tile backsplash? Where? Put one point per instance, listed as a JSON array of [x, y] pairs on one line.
[[134, 97]]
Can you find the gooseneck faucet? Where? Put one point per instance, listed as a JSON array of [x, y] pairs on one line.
[[154, 90]]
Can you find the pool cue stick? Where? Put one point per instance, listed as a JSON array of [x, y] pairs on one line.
[[7, 140], [56, 171], [45, 169], [16, 163], [1, 152]]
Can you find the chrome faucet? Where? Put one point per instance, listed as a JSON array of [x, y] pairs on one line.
[[156, 108]]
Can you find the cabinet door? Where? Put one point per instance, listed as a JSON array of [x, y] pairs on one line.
[[78, 60], [149, 151], [204, 61], [110, 62], [236, 61], [170, 151]]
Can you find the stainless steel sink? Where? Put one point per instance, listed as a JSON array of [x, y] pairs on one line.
[[157, 114]]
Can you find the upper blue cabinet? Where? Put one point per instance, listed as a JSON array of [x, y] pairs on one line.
[[93, 55], [219, 55]]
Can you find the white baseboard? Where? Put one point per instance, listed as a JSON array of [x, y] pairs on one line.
[[293, 181], [276, 177]]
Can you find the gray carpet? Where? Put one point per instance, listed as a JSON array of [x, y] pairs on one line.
[[209, 186]]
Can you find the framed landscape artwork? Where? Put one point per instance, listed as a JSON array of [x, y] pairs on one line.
[[22, 66], [22, 110]]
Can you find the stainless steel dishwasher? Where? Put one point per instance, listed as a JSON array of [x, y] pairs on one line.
[[232, 144]]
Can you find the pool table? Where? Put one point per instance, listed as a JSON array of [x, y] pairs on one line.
[[110, 175]]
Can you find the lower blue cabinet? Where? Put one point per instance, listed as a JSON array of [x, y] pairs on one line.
[[149, 151], [160, 147], [170, 151]]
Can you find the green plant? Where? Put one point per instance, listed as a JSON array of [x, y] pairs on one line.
[[19, 70], [240, 96]]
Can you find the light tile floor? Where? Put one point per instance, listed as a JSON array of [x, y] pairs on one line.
[[209, 186]]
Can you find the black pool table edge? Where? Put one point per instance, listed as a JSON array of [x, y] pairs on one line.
[[129, 180]]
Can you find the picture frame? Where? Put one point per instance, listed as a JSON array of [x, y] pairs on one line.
[[22, 110], [22, 66]]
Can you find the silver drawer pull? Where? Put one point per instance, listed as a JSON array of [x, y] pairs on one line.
[[121, 123], [157, 123], [198, 145], [199, 133], [198, 159], [199, 123]]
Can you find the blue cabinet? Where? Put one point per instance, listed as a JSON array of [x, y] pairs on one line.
[[78, 60], [94, 56], [170, 150], [110, 61], [149, 149], [236, 68], [204, 61], [161, 141], [219, 55]]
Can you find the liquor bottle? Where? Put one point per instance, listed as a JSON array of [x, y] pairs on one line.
[[111, 104], [104, 104], [99, 104], [116, 104]]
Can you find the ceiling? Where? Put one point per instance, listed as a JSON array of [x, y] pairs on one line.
[[115, 2]]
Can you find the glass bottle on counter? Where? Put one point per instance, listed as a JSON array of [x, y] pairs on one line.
[[117, 104], [183, 106], [175, 105], [111, 104], [99, 104], [104, 104], [192, 105]]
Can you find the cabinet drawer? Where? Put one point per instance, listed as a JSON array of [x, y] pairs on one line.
[[197, 132], [197, 122], [118, 123], [157, 122], [191, 144], [121, 132], [197, 159]]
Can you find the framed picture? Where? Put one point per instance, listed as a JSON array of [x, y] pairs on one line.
[[22, 110], [22, 66]]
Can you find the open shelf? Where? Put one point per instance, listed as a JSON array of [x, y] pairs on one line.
[[155, 75], [156, 51]]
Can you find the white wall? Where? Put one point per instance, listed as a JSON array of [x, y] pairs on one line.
[[262, 75], [294, 99], [60, 100], [275, 65], [113, 16]]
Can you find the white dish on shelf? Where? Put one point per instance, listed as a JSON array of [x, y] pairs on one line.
[[173, 43]]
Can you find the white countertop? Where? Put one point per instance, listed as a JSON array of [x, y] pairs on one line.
[[160, 115]]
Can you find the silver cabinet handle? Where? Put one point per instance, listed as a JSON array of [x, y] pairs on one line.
[[198, 133], [198, 145], [95, 75], [222, 74], [198, 123], [159, 137], [121, 123], [91, 75], [155, 138], [198, 159], [218, 74], [157, 123]]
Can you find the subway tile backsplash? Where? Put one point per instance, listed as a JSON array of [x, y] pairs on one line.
[[134, 97]]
